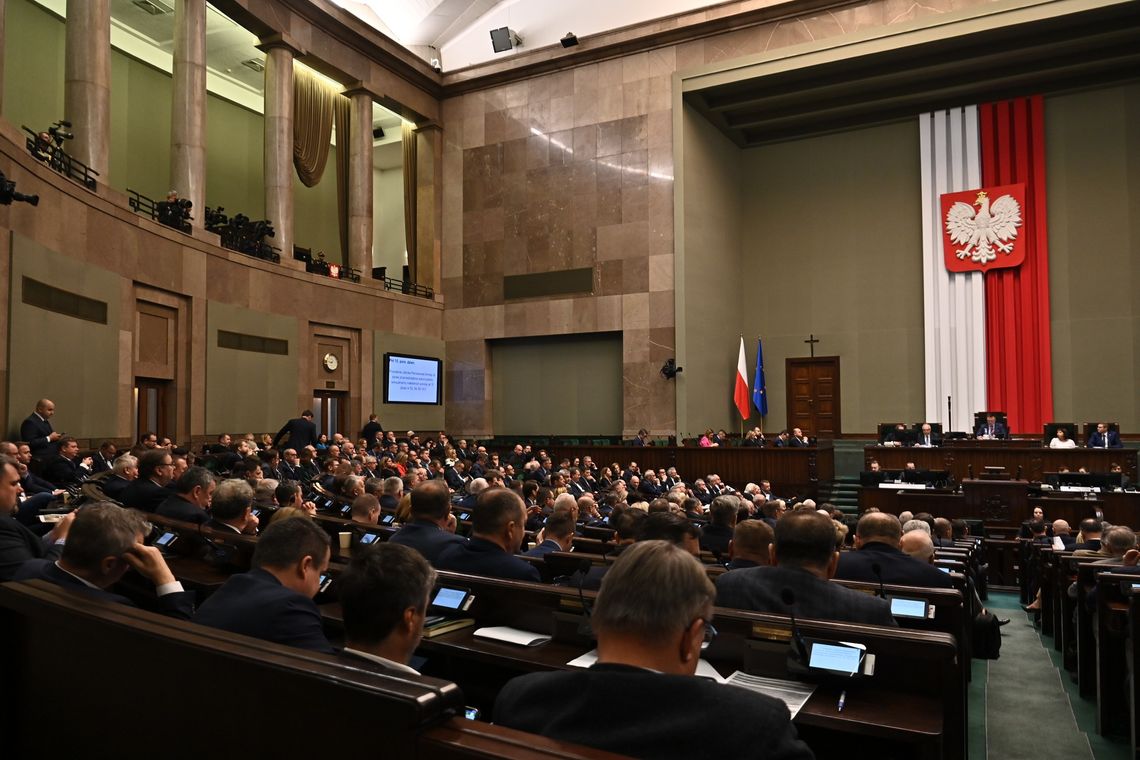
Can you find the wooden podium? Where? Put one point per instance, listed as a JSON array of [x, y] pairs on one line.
[[997, 501]]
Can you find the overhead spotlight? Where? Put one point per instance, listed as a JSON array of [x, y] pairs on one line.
[[570, 40], [669, 369], [504, 39], [435, 64]]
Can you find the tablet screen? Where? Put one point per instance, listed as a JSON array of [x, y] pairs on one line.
[[909, 608], [836, 658], [449, 598]]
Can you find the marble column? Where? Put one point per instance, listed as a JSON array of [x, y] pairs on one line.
[[359, 144], [87, 81], [188, 107], [279, 55], [429, 205]]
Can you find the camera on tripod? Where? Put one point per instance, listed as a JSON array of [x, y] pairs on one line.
[[58, 132], [8, 193]]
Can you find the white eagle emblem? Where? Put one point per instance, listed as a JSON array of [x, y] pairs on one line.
[[992, 226]]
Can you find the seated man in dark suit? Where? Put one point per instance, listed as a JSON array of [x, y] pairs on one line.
[[927, 438], [156, 470], [124, 471], [1089, 537], [1104, 438], [991, 429], [190, 502], [17, 543], [803, 560], [750, 544], [497, 528], [557, 535], [432, 527], [717, 535], [104, 459], [104, 542], [66, 468], [391, 493], [231, 508], [798, 438], [384, 595], [879, 559], [274, 600], [651, 618]]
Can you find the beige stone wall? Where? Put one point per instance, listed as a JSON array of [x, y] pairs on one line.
[[576, 169]]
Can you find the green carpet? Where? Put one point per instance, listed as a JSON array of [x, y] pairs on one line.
[[1029, 711]]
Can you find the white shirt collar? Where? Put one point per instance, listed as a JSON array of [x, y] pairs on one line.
[[390, 664], [85, 582]]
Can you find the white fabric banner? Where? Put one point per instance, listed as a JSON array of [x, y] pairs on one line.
[[954, 304]]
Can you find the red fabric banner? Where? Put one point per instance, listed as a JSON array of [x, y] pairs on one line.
[[1019, 353]]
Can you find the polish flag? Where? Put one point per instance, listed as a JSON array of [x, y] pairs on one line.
[[740, 393]]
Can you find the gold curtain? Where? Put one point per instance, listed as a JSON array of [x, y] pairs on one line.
[[410, 197], [312, 125], [316, 106], [343, 151]]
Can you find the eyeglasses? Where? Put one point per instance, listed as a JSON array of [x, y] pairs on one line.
[[710, 634]]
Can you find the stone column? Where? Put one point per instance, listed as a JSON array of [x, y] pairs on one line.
[[87, 81], [188, 108], [429, 205], [279, 52], [359, 145]]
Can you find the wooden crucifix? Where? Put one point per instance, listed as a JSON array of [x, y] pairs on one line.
[[811, 341]]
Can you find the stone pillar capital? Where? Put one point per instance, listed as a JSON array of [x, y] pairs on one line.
[[280, 40]]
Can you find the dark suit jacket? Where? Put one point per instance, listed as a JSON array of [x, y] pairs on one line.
[[35, 431], [177, 605], [673, 716], [369, 431], [715, 539], [18, 545], [759, 589], [1000, 430], [99, 463], [895, 566], [298, 433], [1096, 440], [427, 538], [546, 547], [480, 557], [796, 442], [144, 495], [113, 487], [33, 484], [177, 508], [63, 471], [256, 604]]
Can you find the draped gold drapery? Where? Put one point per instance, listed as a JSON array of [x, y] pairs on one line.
[[316, 106], [410, 197]]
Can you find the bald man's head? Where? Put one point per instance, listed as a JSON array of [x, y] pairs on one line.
[[878, 527], [918, 544]]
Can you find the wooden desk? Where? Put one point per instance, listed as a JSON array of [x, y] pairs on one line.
[[918, 674], [1034, 461], [793, 472]]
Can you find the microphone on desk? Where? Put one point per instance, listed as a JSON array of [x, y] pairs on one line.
[[1018, 475], [584, 627], [799, 648], [970, 471], [877, 569]]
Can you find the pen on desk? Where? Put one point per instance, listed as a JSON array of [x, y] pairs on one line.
[[842, 700]]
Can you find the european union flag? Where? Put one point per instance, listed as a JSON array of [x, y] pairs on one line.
[[759, 392]]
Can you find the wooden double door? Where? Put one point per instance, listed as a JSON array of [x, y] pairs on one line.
[[813, 396]]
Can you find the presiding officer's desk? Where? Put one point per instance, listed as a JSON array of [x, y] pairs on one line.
[[88, 678], [915, 702], [1034, 460]]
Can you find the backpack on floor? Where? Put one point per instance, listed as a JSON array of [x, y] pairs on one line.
[[987, 636]]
